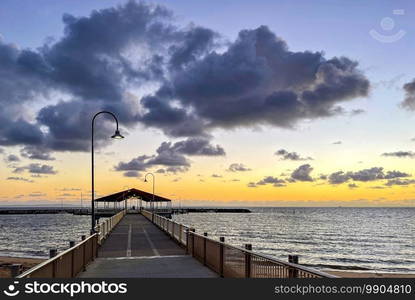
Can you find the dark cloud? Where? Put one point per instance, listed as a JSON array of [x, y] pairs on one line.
[[338, 177], [365, 175], [136, 164], [403, 182], [409, 101], [38, 153], [131, 174], [400, 154], [337, 143], [237, 167], [172, 156], [12, 158], [285, 155], [352, 185], [193, 146], [40, 169], [302, 173], [36, 169], [216, 176], [271, 180], [19, 179], [177, 169], [257, 80], [102, 59]]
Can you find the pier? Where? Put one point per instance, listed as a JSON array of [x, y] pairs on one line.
[[147, 245]]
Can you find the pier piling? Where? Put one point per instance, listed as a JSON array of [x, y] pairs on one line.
[[53, 252]]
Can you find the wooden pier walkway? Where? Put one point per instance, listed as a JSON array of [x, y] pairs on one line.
[[137, 248], [147, 245]]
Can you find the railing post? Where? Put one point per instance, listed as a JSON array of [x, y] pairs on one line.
[[293, 273], [221, 255], [187, 240], [180, 233], [83, 254], [204, 247], [193, 241], [248, 261], [92, 241], [72, 244], [53, 253], [15, 270], [172, 230]]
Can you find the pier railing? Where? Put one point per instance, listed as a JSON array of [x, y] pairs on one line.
[[74, 260], [103, 229], [228, 260]]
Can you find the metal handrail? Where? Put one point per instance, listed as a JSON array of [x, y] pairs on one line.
[[311, 271]]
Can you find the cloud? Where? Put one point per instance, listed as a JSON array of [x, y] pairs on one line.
[[271, 180], [403, 182], [337, 143], [37, 194], [302, 173], [352, 185], [257, 80], [36, 169], [251, 185], [131, 174], [355, 112], [400, 154], [198, 83], [19, 179], [172, 155], [409, 101], [338, 177], [12, 158], [216, 176], [136, 164], [238, 167], [35, 152], [365, 175], [285, 155]]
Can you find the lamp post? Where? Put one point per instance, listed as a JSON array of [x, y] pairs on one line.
[[154, 181], [116, 135]]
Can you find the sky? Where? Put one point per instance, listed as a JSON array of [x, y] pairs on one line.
[[228, 103]]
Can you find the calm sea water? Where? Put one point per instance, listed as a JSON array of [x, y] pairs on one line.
[[34, 235], [381, 239]]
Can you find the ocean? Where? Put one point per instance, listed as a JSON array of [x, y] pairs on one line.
[[361, 239], [34, 235]]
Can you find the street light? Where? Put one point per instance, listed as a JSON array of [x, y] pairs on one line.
[[154, 181], [116, 135]]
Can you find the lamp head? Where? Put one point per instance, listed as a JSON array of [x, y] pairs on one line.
[[145, 179], [117, 135]]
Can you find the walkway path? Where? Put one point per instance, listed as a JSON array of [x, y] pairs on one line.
[[137, 248]]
